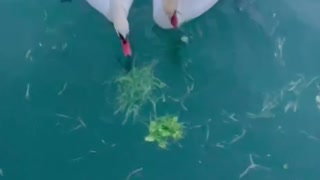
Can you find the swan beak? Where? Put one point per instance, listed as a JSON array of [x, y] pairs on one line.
[[126, 47], [174, 20]]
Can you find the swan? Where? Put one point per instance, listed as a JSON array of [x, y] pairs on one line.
[[173, 13], [116, 11]]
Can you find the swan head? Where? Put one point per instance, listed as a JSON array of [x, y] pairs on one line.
[[121, 25], [170, 8]]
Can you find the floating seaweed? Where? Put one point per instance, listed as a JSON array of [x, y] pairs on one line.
[[164, 130], [135, 89]]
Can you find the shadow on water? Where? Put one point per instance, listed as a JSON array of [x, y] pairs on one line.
[[173, 44], [127, 63]]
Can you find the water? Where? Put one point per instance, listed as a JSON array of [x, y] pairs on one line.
[[244, 58]]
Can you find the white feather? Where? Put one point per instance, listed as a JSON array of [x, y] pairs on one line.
[[187, 10]]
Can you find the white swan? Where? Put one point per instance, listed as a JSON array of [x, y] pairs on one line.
[[173, 13], [117, 12]]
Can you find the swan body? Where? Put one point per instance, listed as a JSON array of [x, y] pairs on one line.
[[116, 11], [173, 13]]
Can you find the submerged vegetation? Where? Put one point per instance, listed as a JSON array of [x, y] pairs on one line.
[[135, 89], [164, 130], [139, 87]]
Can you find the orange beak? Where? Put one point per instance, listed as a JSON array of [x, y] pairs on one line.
[[126, 47], [174, 20]]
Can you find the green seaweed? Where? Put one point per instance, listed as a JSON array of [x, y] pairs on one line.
[[135, 89], [164, 130]]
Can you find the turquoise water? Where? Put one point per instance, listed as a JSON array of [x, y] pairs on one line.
[[254, 65]]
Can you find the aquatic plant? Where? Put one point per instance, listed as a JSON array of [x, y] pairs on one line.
[[135, 89], [165, 129]]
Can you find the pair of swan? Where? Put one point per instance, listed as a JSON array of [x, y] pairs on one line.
[[166, 14]]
